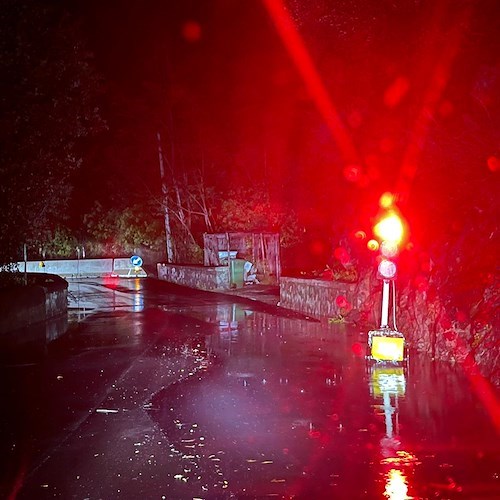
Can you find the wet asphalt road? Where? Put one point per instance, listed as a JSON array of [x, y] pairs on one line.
[[157, 391]]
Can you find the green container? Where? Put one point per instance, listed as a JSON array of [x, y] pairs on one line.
[[237, 272]]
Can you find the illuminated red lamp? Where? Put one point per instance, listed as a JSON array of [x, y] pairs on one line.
[[390, 228]]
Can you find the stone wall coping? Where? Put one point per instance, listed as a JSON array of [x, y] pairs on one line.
[[316, 282]]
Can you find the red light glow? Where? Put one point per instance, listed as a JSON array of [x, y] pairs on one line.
[[390, 228], [300, 55], [317, 247], [352, 173], [396, 92], [111, 281], [342, 255], [387, 200], [341, 301], [493, 163], [442, 60], [191, 31], [357, 349]]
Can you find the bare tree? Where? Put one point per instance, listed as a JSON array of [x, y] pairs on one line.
[[164, 190]]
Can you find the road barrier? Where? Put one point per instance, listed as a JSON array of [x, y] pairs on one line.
[[85, 268]]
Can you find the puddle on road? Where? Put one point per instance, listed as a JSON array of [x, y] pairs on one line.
[[291, 409], [110, 294]]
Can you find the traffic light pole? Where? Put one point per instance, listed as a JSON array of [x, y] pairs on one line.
[[386, 343], [384, 320]]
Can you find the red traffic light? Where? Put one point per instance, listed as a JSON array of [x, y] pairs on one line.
[[390, 228]]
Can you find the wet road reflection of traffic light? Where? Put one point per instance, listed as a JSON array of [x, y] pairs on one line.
[[387, 388]]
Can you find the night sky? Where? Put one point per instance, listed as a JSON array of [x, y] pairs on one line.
[[365, 96]]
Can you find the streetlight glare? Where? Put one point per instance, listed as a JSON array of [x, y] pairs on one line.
[[390, 228]]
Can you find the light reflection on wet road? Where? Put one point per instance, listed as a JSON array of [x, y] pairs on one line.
[[234, 399], [291, 409]]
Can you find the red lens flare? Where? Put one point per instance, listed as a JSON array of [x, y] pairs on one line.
[[396, 91], [437, 60], [317, 247], [352, 173], [387, 200], [342, 255], [360, 235], [300, 55], [372, 245], [357, 349], [191, 31], [341, 301], [493, 163]]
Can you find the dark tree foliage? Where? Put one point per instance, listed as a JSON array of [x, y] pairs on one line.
[[48, 107]]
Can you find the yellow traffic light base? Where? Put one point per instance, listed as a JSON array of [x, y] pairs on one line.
[[386, 345]]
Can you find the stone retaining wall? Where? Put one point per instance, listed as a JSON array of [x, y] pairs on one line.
[[202, 277], [46, 298], [429, 326], [317, 298], [468, 338]]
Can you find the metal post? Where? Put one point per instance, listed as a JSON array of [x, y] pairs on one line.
[[384, 321], [229, 260], [25, 252], [78, 262]]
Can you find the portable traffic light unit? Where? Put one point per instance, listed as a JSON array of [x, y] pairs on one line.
[[386, 344]]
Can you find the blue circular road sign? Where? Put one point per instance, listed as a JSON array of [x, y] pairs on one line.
[[135, 260]]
